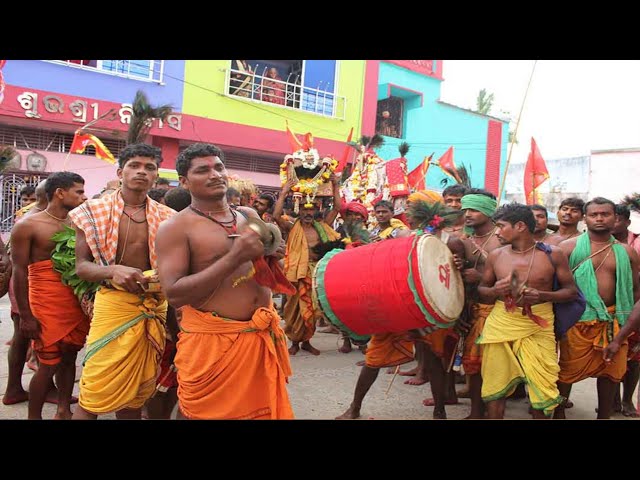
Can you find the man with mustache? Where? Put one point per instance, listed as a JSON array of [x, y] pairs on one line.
[[115, 244], [231, 358], [606, 271], [299, 264]]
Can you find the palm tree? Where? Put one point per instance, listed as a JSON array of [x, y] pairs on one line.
[[484, 102], [142, 118]]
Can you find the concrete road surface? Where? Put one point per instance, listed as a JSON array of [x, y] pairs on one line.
[[322, 387]]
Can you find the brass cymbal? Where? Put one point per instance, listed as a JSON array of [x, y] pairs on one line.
[[269, 234]]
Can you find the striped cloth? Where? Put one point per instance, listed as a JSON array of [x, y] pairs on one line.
[[99, 219]]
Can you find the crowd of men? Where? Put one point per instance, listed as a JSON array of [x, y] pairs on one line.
[[171, 293]]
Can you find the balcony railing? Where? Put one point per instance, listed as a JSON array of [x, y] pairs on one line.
[[143, 70], [289, 94]]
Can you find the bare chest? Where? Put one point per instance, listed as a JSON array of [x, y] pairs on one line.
[[133, 242], [312, 236]]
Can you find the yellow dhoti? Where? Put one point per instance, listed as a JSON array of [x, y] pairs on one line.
[[517, 350], [124, 348]]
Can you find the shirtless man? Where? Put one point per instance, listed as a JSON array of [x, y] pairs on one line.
[[518, 336], [50, 314], [300, 262], [395, 349], [115, 244], [478, 206], [541, 215], [452, 196], [227, 365], [19, 345], [570, 214], [606, 271]]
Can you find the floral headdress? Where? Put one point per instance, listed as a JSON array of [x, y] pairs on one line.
[[305, 167]]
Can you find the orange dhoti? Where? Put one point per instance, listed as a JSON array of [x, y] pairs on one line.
[[299, 313], [230, 369], [389, 350], [472, 356], [442, 343], [581, 352], [64, 326]]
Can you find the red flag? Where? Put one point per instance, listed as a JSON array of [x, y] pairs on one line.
[[535, 173], [448, 166], [345, 155], [293, 140], [417, 177], [82, 140]]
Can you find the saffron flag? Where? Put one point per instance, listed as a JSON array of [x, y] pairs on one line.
[[418, 176], [293, 140], [82, 140], [447, 165], [345, 155], [535, 173]]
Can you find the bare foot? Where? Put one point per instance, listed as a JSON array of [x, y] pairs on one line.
[[429, 402], [568, 403], [362, 348], [293, 349], [351, 414], [63, 416], [416, 381], [628, 410], [52, 397], [329, 329], [409, 373], [392, 370], [439, 415], [309, 348], [346, 346], [361, 363], [13, 398], [558, 414]]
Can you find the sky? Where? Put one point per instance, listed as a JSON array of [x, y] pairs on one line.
[[572, 107]]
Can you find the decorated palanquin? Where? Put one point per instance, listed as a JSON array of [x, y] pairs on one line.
[[374, 179], [309, 172]]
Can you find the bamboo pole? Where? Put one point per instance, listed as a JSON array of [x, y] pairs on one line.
[[515, 134]]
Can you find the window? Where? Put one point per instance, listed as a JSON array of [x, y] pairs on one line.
[[146, 70], [389, 117], [308, 85]]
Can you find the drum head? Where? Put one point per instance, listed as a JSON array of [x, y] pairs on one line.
[[441, 281]]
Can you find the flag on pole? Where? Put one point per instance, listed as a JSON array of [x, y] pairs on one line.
[[535, 174], [82, 140], [345, 155], [417, 177], [448, 166]]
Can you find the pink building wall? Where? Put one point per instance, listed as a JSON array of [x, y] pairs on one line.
[[96, 172]]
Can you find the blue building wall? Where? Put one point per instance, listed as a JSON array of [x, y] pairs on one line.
[[41, 75], [433, 126]]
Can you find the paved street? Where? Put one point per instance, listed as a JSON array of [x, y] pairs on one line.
[[322, 387]]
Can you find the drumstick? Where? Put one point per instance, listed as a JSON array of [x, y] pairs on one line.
[[395, 374]]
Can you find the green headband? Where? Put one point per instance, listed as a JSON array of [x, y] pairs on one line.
[[479, 202]]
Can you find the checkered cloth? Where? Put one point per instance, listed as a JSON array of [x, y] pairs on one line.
[[99, 219]]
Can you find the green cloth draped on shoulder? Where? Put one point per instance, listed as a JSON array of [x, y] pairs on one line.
[[585, 276]]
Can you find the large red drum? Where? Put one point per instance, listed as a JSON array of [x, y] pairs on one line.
[[391, 286]]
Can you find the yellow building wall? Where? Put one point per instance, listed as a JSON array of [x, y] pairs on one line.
[[204, 97]]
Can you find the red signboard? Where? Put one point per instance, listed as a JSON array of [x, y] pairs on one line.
[[425, 67], [55, 107]]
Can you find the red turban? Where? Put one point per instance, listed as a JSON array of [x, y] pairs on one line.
[[357, 207]]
